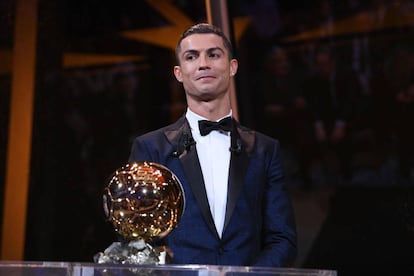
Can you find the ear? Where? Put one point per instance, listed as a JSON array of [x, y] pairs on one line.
[[177, 73], [234, 64]]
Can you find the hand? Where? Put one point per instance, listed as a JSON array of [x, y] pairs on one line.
[[275, 109], [338, 133], [320, 133], [299, 102]]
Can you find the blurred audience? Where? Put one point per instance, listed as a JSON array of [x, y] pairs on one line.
[[279, 101], [404, 131], [332, 95]]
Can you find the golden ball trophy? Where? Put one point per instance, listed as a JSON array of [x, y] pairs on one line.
[[143, 201]]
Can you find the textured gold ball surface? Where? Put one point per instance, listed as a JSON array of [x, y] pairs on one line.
[[143, 200]]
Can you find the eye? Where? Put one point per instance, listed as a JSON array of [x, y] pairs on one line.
[[214, 55], [190, 57]]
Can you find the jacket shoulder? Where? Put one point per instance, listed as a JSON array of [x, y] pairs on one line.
[[161, 131]]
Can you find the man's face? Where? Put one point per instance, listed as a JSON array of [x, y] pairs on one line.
[[279, 63], [325, 65], [205, 68]]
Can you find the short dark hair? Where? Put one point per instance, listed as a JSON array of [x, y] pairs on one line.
[[204, 28]]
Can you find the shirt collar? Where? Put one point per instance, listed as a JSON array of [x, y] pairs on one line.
[[193, 119]]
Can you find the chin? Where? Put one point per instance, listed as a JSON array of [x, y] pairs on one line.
[[207, 96]]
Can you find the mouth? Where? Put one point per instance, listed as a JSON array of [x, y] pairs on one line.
[[205, 77]]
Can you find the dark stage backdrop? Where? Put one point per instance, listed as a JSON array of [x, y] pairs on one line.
[[302, 64]]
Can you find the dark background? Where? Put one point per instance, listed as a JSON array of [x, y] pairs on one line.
[[86, 116]]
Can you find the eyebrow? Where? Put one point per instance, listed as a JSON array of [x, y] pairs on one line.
[[209, 50]]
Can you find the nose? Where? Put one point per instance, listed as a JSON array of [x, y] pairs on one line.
[[203, 62]]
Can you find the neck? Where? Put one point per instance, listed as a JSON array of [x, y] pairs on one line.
[[210, 110]]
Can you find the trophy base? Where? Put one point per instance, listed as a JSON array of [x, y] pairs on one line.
[[134, 252]]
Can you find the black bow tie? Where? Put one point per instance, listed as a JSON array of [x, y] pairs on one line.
[[206, 126]]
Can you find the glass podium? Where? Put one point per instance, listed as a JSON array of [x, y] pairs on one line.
[[9, 268]]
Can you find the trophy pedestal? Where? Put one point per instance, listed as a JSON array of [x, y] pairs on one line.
[[133, 252]]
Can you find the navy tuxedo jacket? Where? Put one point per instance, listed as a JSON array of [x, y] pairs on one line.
[[259, 228]]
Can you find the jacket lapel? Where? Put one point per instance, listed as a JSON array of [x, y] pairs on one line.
[[239, 162], [185, 150]]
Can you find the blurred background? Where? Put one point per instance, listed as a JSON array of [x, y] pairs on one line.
[[333, 81]]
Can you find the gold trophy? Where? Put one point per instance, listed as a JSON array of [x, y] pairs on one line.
[[144, 202]]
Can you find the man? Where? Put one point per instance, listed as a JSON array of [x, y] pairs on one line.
[[334, 103], [237, 211]]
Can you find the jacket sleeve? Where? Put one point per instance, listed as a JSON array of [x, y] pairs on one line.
[[279, 228]]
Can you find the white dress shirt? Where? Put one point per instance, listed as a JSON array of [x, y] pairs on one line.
[[214, 156]]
